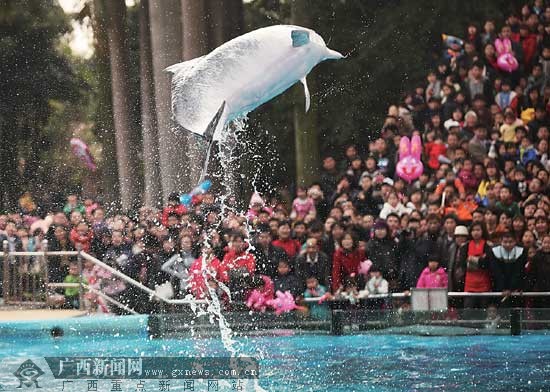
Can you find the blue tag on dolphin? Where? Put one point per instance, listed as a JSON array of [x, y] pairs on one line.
[[299, 37]]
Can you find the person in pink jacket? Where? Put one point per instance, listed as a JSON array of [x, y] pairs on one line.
[[433, 276]]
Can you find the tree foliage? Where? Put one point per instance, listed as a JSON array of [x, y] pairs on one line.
[[37, 79]]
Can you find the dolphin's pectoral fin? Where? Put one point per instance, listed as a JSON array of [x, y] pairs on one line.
[[306, 92], [299, 37], [215, 124]]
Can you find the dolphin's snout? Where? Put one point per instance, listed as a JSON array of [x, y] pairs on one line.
[[333, 55]]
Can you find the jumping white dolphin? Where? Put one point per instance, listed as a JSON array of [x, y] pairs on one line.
[[240, 75]]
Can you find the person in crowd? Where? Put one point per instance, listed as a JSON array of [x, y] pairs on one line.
[[72, 294], [346, 259], [266, 254], [313, 263], [284, 241], [538, 278], [456, 269], [285, 280], [315, 290], [433, 276], [507, 265], [475, 261], [73, 204], [376, 284], [81, 236], [381, 250]]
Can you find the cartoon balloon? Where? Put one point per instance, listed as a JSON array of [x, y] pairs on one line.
[[187, 198], [451, 41], [257, 301], [283, 302], [410, 166], [505, 60], [81, 150], [364, 267]]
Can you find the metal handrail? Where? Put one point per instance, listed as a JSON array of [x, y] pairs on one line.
[[135, 283], [453, 294], [152, 293]]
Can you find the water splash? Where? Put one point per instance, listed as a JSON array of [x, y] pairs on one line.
[[229, 158]]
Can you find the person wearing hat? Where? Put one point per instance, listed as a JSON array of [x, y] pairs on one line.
[[455, 270]]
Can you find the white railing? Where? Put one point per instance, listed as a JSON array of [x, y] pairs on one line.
[[9, 259]]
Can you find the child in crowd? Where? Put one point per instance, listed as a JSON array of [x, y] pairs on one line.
[[72, 294], [393, 205], [316, 290], [303, 207], [287, 281], [376, 284], [349, 292], [433, 276], [81, 236]]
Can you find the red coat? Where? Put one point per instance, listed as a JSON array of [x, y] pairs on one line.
[[434, 150], [233, 260], [529, 45], [85, 241], [344, 264], [290, 246], [180, 209], [196, 281]]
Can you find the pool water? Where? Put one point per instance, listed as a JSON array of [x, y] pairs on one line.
[[289, 362]]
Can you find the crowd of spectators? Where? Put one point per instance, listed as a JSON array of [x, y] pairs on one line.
[[475, 220]]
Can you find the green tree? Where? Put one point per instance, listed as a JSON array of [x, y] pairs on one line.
[[35, 75]]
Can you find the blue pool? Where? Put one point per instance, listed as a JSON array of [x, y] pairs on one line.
[[365, 362]]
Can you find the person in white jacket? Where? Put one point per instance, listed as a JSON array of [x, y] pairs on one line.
[[376, 284], [393, 205]]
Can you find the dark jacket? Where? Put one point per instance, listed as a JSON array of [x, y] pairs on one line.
[[507, 268], [409, 265], [288, 283], [383, 254], [539, 272], [267, 262], [320, 269]]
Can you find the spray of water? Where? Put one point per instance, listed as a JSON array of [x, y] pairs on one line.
[[230, 170]]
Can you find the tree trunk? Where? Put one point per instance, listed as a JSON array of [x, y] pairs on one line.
[[125, 134], [195, 19], [227, 20], [151, 165], [305, 124], [9, 188], [103, 118], [166, 44]]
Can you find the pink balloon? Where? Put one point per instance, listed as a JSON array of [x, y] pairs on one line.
[[507, 62], [364, 267], [257, 301], [81, 150], [410, 166], [283, 302]]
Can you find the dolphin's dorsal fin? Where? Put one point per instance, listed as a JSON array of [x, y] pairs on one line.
[[306, 92], [299, 37], [182, 68], [215, 123]]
